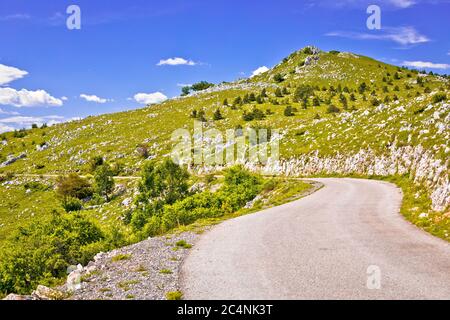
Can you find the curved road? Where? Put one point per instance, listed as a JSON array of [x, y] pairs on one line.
[[345, 241]]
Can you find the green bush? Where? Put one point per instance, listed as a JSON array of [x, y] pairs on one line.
[[333, 109], [72, 204], [239, 187], [438, 97], [41, 252], [73, 186]]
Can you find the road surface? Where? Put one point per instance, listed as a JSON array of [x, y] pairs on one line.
[[346, 241]]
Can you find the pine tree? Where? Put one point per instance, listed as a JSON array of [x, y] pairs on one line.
[[217, 115], [278, 93], [263, 93], [288, 111]]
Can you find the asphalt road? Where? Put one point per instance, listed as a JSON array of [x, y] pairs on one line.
[[346, 241]]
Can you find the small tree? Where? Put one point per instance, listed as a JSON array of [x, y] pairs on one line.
[[278, 78], [288, 111], [217, 115], [225, 102], [104, 181], [73, 186], [362, 88], [263, 93], [316, 102], [185, 91], [237, 101], [201, 116], [259, 99], [278, 93], [333, 109], [96, 162]]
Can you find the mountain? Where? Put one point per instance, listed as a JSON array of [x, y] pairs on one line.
[[337, 113]]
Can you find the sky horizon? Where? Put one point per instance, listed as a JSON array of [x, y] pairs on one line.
[[128, 54]]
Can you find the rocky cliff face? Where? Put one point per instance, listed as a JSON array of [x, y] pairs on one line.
[[419, 163]]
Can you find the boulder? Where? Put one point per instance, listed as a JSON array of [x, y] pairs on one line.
[[46, 293]]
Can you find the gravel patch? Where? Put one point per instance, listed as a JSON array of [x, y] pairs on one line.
[[147, 270]]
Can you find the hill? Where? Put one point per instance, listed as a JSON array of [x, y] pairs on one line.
[[336, 113]]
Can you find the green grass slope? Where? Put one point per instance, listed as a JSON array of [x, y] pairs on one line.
[[351, 115]]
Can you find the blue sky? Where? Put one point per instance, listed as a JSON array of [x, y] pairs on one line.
[[128, 53]]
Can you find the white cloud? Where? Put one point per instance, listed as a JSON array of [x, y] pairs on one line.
[[402, 35], [260, 70], [150, 98], [25, 122], [176, 62], [17, 16], [402, 3], [64, 98], [8, 74], [8, 112], [4, 128], [183, 85], [425, 64], [26, 98], [94, 98]]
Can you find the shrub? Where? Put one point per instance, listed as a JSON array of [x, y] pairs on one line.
[[217, 115], [239, 187], [333, 109], [167, 181], [438, 97], [307, 51], [202, 85], [36, 186], [73, 186], [278, 78], [174, 295], [288, 111], [41, 252], [72, 204], [303, 92], [96, 162], [375, 102]]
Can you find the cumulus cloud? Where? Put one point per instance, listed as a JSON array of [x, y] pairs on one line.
[[27, 98], [9, 74], [176, 62], [18, 122], [402, 35], [399, 4], [426, 64], [17, 16], [8, 112], [94, 98], [150, 98], [260, 70], [402, 3], [4, 128]]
